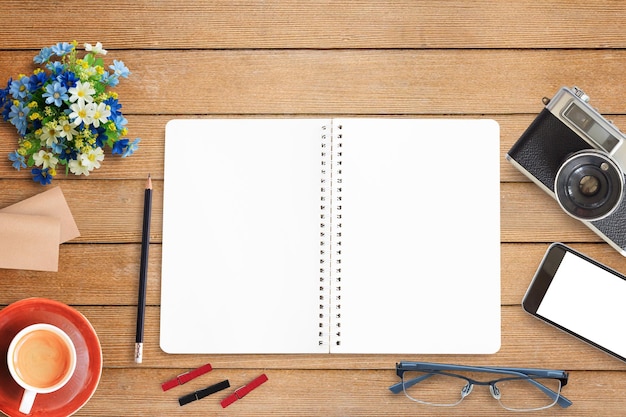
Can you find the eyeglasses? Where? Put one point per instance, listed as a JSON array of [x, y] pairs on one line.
[[516, 389]]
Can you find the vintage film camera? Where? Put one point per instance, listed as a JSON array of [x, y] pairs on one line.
[[577, 156]]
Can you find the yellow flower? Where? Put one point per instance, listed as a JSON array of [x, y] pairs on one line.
[[124, 132], [113, 94], [37, 71], [99, 70], [35, 116], [52, 172]]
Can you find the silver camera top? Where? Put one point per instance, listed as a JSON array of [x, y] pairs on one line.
[[571, 106]]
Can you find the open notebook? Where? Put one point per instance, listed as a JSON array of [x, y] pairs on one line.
[[331, 236]]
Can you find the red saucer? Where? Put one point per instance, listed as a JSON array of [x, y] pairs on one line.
[[69, 399]]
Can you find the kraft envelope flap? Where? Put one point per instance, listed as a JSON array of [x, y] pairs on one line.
[[29, 242], [50, 203]]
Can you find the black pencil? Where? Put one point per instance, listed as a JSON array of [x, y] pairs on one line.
[[143, 270]]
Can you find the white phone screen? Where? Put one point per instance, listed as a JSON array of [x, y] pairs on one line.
[[588, 301]]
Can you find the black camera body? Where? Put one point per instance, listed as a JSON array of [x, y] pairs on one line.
[[576, 156]]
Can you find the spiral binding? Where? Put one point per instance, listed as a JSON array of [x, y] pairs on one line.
[[336, 224], [331, 197], [325, 231]]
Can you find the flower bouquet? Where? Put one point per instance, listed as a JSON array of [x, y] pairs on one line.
[[64, 113]]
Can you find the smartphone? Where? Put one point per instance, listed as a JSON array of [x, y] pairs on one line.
[[581, 297]]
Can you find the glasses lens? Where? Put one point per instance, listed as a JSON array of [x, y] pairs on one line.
[[527, 394], [434, 389]]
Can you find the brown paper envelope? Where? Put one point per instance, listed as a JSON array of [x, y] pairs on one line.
[[50, 203], [29, 242]]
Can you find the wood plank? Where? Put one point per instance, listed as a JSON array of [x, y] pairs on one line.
[[105, 211], [349, 381], [520, 261], [528, 214], [321, 24], [526, 342], [382, 82], [115, 279], [137, 392], [89, 274], [151, 130]]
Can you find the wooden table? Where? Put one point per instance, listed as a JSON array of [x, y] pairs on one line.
[[287, 58]]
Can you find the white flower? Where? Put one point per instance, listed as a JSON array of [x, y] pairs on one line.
[[87, 161], [66, 130], [92, 158], [45, 159], [82, 93], [77, 168], [82, 113], [49, 134], [101, 114], [98, 49]]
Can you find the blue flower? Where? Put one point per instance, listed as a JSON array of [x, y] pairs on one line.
[[18, 115], [55, 93], [119, 69], [19, 88], [41, 176], [114, 107], [131, 148], [124, 148], [120, 121], [18, 160], [4, 93], [5, 102], [111, 80], [59, 147], [37, 80], [118, 147], [100, 134], [43, 56], [68, 154], [68, 79], [62, 48], [55, 67]]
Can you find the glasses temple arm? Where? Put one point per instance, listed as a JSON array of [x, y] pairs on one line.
[[399, 387], [560, 399]]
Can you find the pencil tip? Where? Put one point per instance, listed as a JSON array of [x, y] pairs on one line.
[[149, 182]]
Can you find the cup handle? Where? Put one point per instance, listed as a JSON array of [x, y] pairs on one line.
[[28, 398]]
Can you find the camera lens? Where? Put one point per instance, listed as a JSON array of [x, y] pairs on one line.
[[589, 185]]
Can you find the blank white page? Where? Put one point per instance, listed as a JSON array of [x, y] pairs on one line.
[[420, 233], [420, 237], [241, 236]]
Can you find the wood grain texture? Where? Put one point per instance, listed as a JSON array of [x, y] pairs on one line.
[[243, 24], [316, 393], [372, 81], [287, 58]]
